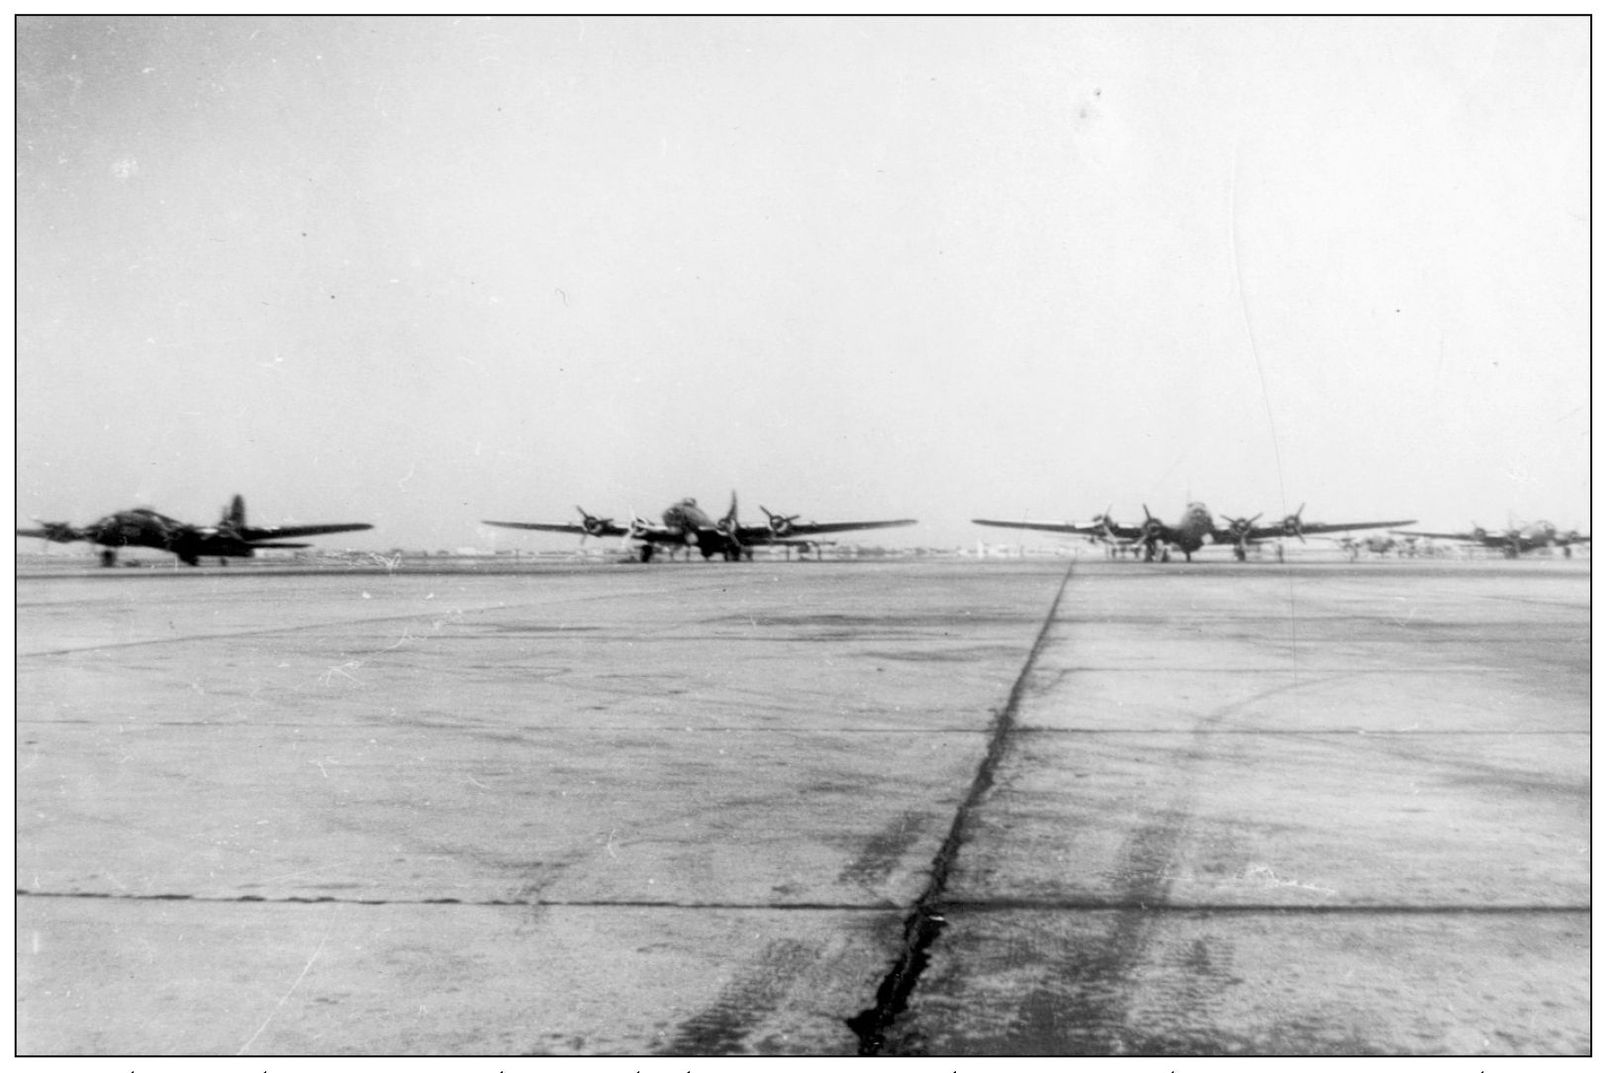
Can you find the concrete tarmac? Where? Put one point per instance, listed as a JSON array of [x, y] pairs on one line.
[[683, 809]]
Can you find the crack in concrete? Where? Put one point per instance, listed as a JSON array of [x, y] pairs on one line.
[[925, 922]]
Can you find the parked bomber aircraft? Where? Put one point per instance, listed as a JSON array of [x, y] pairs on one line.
[[1245, 532], [1195, 529], [1378, 545], [1512, 541], [686, 525], [142, 527]]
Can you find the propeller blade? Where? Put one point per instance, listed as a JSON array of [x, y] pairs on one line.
[[1292, 524]]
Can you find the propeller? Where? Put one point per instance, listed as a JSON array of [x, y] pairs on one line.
[[592, 525], [1239, 528], [729, 526], [779, 524], [1292, 524], [1107, 530], [1150, 531]]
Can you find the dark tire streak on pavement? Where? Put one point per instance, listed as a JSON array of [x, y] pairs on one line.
[[925, 923], [1087, 1011]]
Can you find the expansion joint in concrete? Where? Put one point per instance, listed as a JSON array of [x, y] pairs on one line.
[[925, 921], [473, 903]]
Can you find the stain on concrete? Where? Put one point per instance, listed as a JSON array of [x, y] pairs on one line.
[[750, 996], [882, 853]]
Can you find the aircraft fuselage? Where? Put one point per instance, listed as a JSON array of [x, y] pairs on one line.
[[142, 528], [1193, 530], [695, 528]]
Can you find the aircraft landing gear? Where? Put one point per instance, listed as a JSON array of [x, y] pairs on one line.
[[646, 552]]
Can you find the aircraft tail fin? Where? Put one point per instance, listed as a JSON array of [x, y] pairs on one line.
[[236, 515]]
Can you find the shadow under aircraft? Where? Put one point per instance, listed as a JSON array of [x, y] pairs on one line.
[[142, 527], [1195, 530], [686, 525]]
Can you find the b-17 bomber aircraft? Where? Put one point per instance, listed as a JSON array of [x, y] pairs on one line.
[[1195, 530], [1512, 541], [1245, 532], [686, 525], [142, 527]]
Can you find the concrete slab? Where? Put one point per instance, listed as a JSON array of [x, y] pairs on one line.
[[1119, 982], [164, 977], [609, 811], [690, 809], [1346, 812]]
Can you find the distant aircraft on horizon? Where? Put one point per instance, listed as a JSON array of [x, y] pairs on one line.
[[142, 527], [1512, 541], [686, 525], [1378, 545], [1194, 531]]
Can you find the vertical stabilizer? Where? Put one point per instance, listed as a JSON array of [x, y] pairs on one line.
[[236, 516]]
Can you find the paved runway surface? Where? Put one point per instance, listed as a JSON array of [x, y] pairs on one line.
[[946, 808]]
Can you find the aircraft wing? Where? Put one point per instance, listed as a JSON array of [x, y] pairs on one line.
[[254, 534], [58, 532], [813, 528], [1269, 532], [606, 530], [1092, 529]]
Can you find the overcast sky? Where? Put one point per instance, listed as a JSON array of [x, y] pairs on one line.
[[419, 272]]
